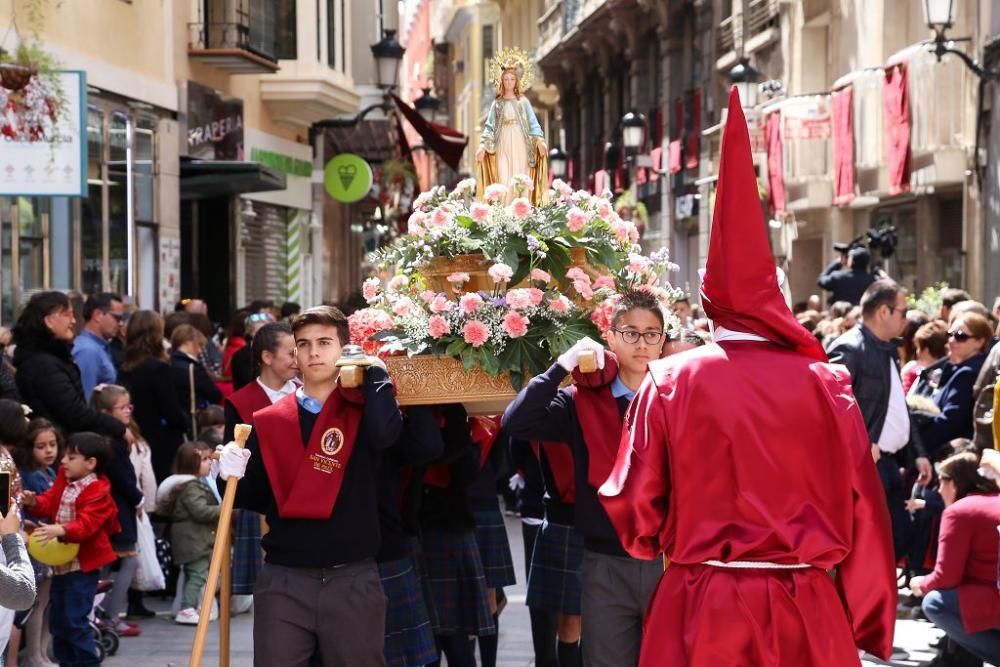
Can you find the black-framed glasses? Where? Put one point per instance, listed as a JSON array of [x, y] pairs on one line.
[[632, 337], [960, 336]]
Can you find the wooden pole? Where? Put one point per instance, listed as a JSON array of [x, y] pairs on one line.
[[219, 551], [225, 595]]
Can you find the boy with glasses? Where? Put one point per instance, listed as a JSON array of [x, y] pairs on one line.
[[588, 416]]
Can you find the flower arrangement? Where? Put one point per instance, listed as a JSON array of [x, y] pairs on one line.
[[32, 98], [526, 300]]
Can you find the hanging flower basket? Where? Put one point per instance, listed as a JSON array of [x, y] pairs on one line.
[[14, 76], [32, 97]]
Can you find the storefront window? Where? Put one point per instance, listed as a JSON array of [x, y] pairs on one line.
[[7, 259], [61, 243], [142, 169], [31, 211], [91, 237], [118, 203]]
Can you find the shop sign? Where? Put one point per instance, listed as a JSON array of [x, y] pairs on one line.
[[286, 163], [214, 127], [55, 168], [291, 158], [347, 178], [807, 118]]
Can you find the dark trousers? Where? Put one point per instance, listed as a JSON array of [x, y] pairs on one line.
[[336, 613], [72, 598], [544, 625], [895, 498]]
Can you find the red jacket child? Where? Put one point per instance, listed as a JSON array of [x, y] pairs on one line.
[[96, 520]]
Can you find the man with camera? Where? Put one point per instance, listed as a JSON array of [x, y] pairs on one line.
[[847, 277]]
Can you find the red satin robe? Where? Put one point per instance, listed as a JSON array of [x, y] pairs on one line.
[[749, 451]]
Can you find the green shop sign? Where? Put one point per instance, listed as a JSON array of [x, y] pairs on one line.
[[286, 163], [347, 178]]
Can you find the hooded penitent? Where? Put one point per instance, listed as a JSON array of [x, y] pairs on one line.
[[740, 290]]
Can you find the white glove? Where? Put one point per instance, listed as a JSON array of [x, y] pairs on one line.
[[516, 482], [233, 461], [570, 359]]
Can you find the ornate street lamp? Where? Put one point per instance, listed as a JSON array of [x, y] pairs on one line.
[[633, 130], [558, 161], [388, 54], [427, 105], [940, 17], [745, 77]]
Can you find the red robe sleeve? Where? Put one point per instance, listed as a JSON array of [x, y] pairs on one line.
[[636, 494], [866, 578]]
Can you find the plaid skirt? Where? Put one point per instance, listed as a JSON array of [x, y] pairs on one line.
[[494, 549], [453, 576], [248, 557], [409, 637], [554, 575]]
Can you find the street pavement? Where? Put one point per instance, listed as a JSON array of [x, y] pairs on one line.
[[165, 644]]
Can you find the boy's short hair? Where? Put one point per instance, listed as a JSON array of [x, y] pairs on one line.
[[91, 446], [327, 316], [210, 438], [637, 300], [963, 446], [211, 415]]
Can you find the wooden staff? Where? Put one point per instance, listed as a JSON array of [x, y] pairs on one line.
[[220, 555], [225, 595], [587, 362]]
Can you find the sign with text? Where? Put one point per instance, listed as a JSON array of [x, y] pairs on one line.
[[57, 167], [214, 127]]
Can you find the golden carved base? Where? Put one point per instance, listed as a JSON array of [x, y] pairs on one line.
[[427, 380]]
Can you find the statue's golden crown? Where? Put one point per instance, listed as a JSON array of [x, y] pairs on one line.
[[515, 59]]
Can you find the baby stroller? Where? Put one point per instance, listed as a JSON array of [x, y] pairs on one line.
[[107, 639]]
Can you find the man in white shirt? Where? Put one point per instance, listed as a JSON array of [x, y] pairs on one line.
[[869, 351]]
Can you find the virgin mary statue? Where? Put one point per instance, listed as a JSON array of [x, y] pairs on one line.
[[512, 142]]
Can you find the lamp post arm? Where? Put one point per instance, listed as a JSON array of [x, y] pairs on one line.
[[940, 49]]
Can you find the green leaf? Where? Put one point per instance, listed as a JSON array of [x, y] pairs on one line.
[[469, 358], [516, 380], [456, 348]]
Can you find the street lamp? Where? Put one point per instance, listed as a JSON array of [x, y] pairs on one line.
[[745, 77], [427, 105], [633, 130], [558, 162], [388, 54], [940, 16]]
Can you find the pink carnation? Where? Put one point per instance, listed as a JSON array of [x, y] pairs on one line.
[[501, 273], [495, 192], [583, 289], [637, 263], [370, 289], [475, 333], [604, 209], [536, 295], [428, 295], [403, 306], [560, 305], [542, 276], [518, 298], [415, 223], [604, 282], [479, 212], [437, 326], [441, 217], [576, 273], [364, 324], [520, 208], [576, 219], [560, 186], [397, 282], [440, 304], [515, 324], [470, 303], [458, 277]]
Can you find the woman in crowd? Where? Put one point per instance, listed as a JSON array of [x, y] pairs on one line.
[[968, 337], [146, 375], [194, 386], [961, 595], [931, 346], [47, 377], [908, 350]]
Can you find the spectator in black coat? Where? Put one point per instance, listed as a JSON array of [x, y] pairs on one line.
[[194, 386], [968, 339], [848, 284], [47, 378], [146, 375]]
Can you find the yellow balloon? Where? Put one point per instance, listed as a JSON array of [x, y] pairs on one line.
[[52, 552]]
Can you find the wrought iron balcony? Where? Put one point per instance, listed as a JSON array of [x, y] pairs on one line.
[[233, 47]]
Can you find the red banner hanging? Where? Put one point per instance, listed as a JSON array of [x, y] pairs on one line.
[[775, 177], [896, 103], [843, 146], [691, 146]]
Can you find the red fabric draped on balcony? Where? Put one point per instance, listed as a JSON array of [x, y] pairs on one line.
[[691, 145], [448, 143], [775, 177], [896, 103], [843, 146], [657, 156], [675, 156]]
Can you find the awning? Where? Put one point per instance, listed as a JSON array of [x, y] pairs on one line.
[[221, 178]]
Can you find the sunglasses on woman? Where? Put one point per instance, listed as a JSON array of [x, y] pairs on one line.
[[960, 336]]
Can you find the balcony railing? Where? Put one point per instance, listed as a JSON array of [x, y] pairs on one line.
[[235, 47], [550, 28], [761, 15], [725, 41]]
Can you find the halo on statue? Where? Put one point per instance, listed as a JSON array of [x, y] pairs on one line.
[[516, 59]]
